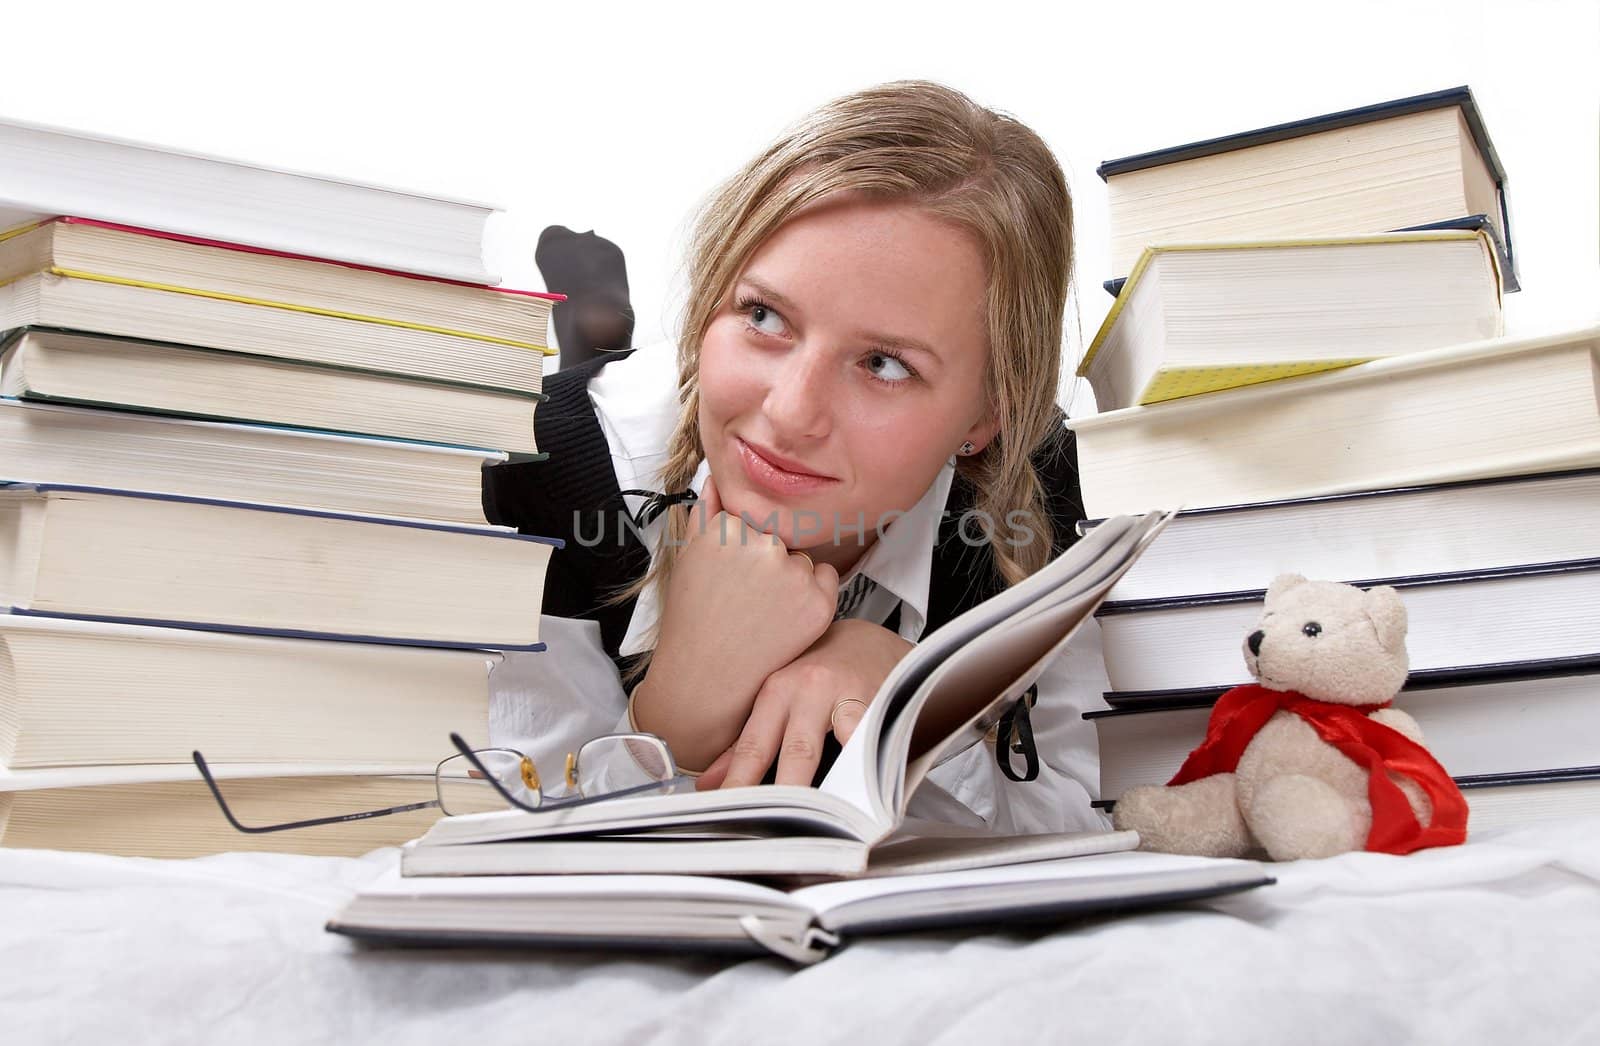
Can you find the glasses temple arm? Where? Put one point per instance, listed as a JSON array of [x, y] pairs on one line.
[[216, 793]]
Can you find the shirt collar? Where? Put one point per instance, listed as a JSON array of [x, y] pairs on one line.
[[900, 561]]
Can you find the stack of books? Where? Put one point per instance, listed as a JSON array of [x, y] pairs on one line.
[[1301, 248], [244, 415], [1413, 445]]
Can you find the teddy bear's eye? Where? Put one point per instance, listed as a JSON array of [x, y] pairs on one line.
[[1312, 629]]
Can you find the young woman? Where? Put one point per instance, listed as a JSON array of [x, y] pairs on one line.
[[864, 401]]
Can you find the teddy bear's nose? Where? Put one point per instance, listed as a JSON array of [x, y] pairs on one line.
[[1255, 641]]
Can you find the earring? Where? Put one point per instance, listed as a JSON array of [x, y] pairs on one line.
[[967, 448]]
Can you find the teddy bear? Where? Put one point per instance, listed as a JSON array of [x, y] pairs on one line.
[[1311, 760]]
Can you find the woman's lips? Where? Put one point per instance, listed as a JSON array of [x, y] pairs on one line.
[[774, 478]]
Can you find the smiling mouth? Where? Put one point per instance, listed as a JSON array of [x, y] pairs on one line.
[[778, 475], [781, 463]]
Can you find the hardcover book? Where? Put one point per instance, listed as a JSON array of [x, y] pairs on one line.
[[706, 913], [208, 267], [48, 171], [43, 443], [160, 559], [127, 374], [166, 810], [1196, 318], [1437, 528], [91, 693], [1502, 407], [82, 302], [1480, 617], [1400, 164]]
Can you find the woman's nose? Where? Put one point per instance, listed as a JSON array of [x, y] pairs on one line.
[[799, 401]]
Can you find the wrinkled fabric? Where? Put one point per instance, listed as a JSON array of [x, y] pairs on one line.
[[1493, 941]]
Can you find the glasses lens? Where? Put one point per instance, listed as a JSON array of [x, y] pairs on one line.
[[623, 761], [464, 790]]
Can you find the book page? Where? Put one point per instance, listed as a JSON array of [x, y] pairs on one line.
[[777, 808], [919, 855], [857, 773], [1102, 878], [1001, 662]]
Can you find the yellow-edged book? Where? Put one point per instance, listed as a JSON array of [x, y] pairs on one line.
[[1202, 317]]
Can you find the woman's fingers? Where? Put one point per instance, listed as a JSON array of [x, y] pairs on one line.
[[712, 776], [846, 716], [803, 735], [827, 579], [757, 745], [783, 727], [706, 507]]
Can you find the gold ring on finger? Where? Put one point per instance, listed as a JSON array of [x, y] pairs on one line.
[[833, 717]]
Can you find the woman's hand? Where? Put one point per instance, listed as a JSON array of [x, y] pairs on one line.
[[794, 706], [738, 607]]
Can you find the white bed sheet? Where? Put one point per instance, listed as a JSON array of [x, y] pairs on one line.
[[1495, 941]]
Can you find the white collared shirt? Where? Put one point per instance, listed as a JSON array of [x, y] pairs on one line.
[[636, 404]]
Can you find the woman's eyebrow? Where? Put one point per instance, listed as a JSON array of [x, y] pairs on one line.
[[770, 293], [889, 341]]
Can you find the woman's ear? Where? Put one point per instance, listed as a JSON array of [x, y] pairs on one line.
[[982, 434]]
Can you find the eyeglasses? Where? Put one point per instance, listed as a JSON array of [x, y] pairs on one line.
[[484, 779]]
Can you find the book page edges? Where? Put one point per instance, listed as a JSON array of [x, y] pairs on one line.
[[76, 274], [1238, 401], [1171, 383], [38, 778], [755, 803], [449, 449], [1149, 254], [224, 161], [245, 248]]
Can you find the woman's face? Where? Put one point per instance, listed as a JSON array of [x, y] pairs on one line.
[[843, 370]]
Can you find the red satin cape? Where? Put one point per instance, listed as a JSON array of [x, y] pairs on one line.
[[1241, 712]]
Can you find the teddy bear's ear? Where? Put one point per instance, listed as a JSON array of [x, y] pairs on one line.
[[1283, 583], [1388, 616]]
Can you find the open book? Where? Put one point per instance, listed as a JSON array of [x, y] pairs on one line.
[[678, 912], [943, 695]]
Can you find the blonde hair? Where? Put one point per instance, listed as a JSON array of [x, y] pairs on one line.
[[983, 171]]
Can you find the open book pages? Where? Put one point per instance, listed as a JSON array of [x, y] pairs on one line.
[[705, 913], [801, 858], [941, 695]]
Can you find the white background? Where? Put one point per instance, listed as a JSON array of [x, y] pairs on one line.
[[620, 117]]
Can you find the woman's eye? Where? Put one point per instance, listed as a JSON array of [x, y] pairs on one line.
[[886, 368], [764, 319]]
